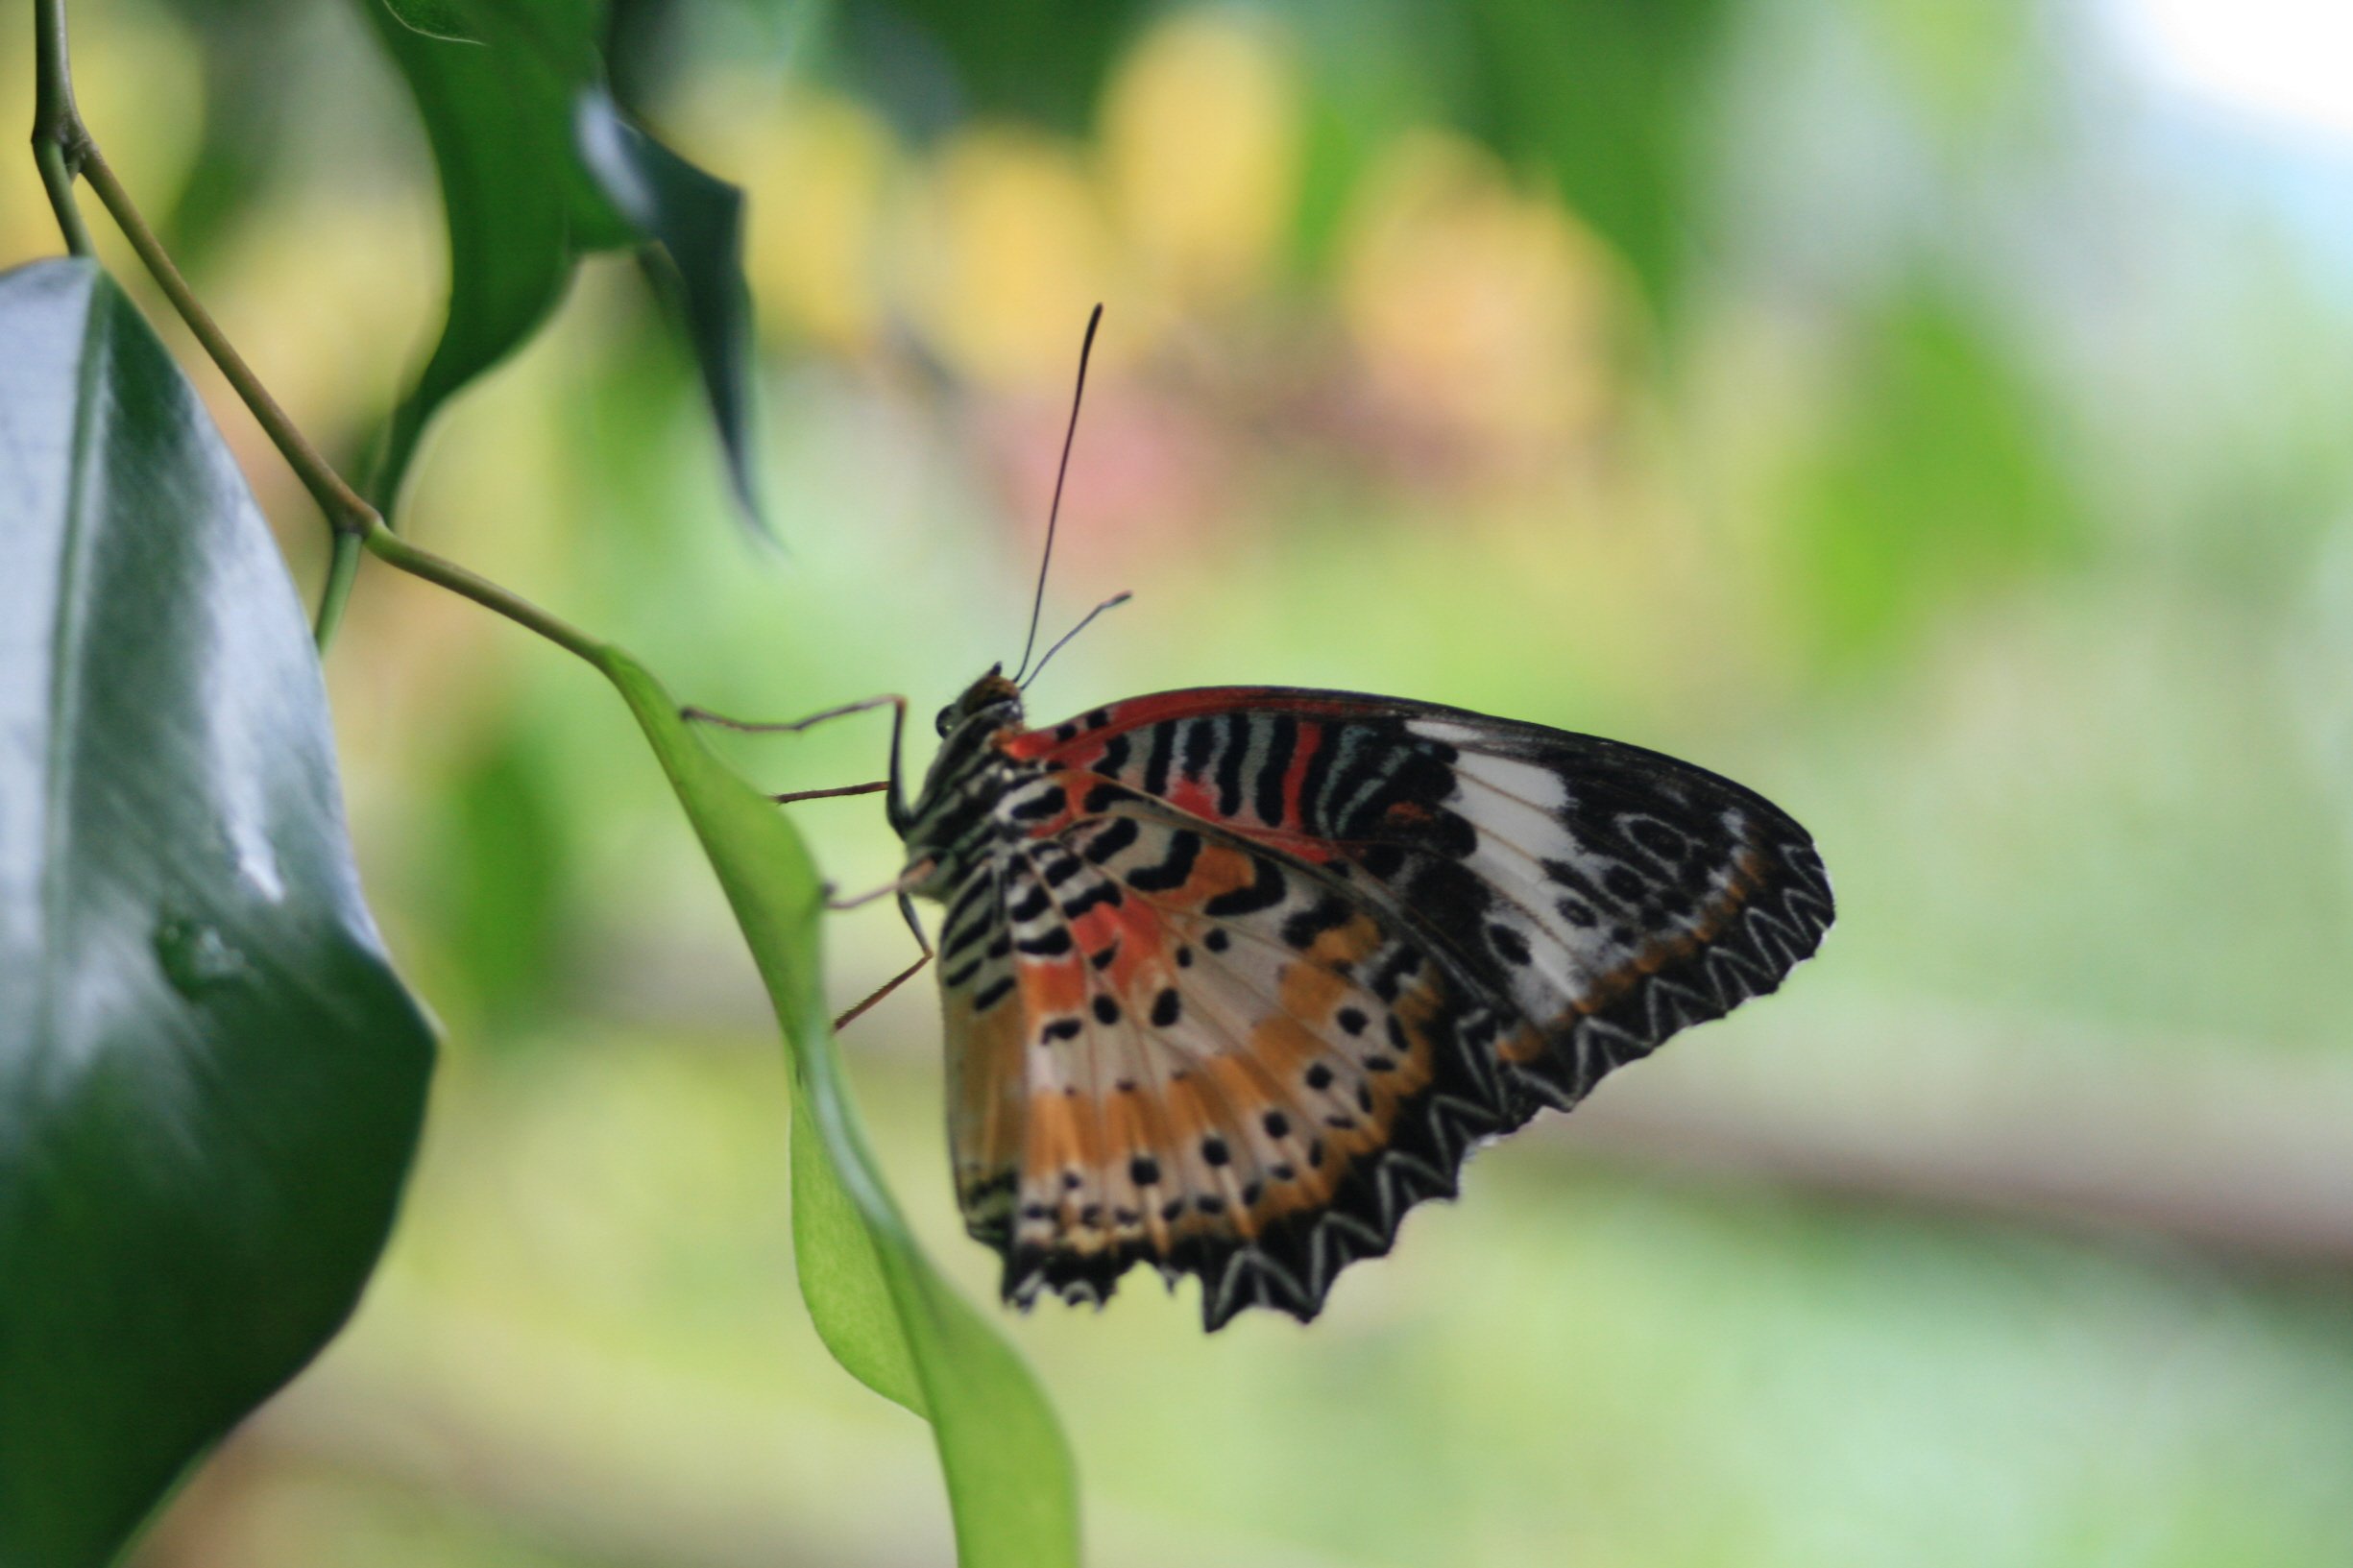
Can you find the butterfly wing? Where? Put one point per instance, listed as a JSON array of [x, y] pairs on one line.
[[1614, 895], [1260, 966], [1213, 1057]]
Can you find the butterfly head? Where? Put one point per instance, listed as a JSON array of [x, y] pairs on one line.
[[992, 696]]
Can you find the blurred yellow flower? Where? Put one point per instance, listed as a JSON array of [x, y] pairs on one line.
[[1471, 301], [817, 170], [1005, 248], [1200, 147], [138, 81]]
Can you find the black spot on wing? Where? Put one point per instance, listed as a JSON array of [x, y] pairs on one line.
[[1158, 757], [1111, 838], [1174, 868], [1200, 742], [1045, 803], [1267, 788], [1236, 744], [1326, 914], [1267, 887]]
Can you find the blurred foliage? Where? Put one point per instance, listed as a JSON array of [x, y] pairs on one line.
[[1915, 412], [1940, 480], [536, 170]]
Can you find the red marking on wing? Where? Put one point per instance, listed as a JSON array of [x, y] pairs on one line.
[[1085, 746]]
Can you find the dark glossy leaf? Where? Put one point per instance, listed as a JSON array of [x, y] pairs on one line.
[[508, 90], [696, 222], [520, 210], [881, 1307], [210, 1080], [446, 20], [935, 62]]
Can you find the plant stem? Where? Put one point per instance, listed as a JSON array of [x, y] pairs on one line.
[[346, 513], [62, 147], [392, 549], [341, 569], [59, 140]]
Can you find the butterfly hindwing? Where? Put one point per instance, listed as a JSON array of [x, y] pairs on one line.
[[1237, 1066]]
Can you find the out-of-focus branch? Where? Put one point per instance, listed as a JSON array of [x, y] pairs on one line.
[[2240, 1152], [58, 135], [2245, 1158]]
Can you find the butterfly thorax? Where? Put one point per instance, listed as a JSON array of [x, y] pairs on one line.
[[952, 823]]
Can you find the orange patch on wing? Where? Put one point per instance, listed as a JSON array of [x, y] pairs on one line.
[[1050, 985], [1285, 1045], [1526, 1043], [1216, 870], [1311, 987], [1063, 1136], [985, 1095]]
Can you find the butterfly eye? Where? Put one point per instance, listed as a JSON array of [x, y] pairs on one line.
[[945, 721]]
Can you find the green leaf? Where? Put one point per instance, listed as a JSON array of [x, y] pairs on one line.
[[1610, 97], [210, 1079], [933, 62], [878, 1303], [696, 222], [537, 171], [1937, 480], [435, 19]]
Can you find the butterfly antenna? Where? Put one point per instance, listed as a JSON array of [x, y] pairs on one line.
[[1055, 512], [1111, 603]]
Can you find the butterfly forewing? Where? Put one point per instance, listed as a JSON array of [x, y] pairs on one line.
[[1248, 972]]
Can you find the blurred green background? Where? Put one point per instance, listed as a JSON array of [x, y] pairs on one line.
[[1933, 416]]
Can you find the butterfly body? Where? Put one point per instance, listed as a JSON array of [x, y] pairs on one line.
[[1233, 977]]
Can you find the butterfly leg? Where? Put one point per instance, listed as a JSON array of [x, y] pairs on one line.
[[789, 796], [906, 909], [911, 878], [897, 704], [704, 716]]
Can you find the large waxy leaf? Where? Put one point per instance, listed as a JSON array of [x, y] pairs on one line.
[[539, 170], [210, 1080], [879, 1304]]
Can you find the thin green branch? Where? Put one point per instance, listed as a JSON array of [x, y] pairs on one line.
[[341, 569], [57, 137], [392, 549], [64, 149], [346, 511]]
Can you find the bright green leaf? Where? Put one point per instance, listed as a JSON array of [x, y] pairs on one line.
[[881, 1307], [538, 171], [210, 1080]]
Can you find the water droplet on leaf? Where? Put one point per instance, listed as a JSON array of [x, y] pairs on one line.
[[196, 957]]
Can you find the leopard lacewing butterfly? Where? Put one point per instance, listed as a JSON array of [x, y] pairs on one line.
[[1234, 977]]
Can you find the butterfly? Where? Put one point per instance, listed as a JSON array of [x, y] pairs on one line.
[[1233, 977]]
